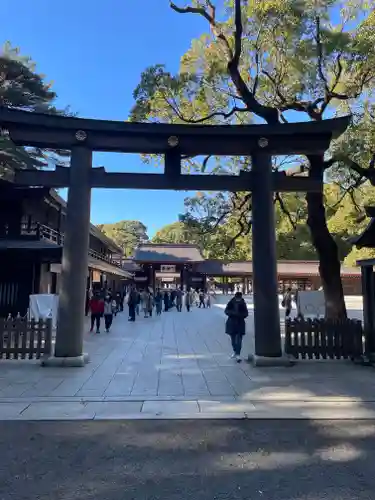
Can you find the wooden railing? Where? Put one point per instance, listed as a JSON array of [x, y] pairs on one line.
[[323, 338], [39, 231], [105, 258], [21, 338]]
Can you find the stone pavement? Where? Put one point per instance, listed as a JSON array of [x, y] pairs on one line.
[[178, 366]]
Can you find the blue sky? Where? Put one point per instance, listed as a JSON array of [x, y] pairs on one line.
[[94, 52]]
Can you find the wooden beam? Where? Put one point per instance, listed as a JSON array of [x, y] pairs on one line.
[[58, 178], [172, 162], [286, 184], [49, 131], [114, 180], [190, 145]]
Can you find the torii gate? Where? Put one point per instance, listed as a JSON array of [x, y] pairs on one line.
[[83, 136]]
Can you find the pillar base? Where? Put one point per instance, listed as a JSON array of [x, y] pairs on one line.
[[74, 361], [265, 361], [367, 359]]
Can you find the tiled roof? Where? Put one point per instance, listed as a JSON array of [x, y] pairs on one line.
[[168, 254], [106, 267], [291, 267], [130, 266], [28, 244]]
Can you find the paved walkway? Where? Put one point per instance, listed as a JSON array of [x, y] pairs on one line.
[[178, 366]]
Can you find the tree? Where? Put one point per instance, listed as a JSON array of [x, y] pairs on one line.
[[177, 232], [24, 89], [212, 224], [223, 227], [271, 61], [351, 220], [127, 234]]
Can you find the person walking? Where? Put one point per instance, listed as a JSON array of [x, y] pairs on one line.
[[158, 302], [117, 299], [235, 327], [97, 310], [166, 301], [201, 300], [287, 302], [132, 303], [188, 299], [114, 307], [208, 301], [172, 297], [137, 301], [145, 299], [150, 303], [122, 298], [87, 301], [108, 313], [179, 295]]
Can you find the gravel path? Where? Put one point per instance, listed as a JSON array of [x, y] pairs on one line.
[[178, 460]]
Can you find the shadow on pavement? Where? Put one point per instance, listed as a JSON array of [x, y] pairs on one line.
[[170, 460]]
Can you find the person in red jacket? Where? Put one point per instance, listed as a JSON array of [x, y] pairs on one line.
[[97, 311]]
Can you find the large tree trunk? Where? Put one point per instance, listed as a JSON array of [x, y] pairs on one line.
[[325, 245]]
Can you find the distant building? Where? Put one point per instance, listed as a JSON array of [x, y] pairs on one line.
[[171, 265], [31, 240]]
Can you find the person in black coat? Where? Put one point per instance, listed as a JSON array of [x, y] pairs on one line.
[[166, 299], [235, 327]]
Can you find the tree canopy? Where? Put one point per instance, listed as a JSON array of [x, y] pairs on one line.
[[177, 232], [127, 234], [21, 87], [215, 228], [262, 60]]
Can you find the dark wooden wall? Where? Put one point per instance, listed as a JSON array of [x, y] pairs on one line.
[[19, 277]]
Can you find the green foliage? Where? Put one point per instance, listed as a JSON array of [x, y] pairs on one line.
[[127, 234], [177, 232], [358, 254], [298, 57], [295, 57], [212, 223], [21, 87]]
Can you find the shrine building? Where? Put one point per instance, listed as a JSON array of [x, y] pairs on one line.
[[175, 265]]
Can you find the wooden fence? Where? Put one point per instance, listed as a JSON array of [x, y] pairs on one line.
[[323, 338], [21, 338]]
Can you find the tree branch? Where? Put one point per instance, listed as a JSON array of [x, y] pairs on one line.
[[295, 105], [349, 191], [319, 49], [237, 34], [222, 114], [205, 163], [269, 114], [209, 15], [285, 210], [367, 173]]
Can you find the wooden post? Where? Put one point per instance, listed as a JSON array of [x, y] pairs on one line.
[[368, 293], [71, 314], [266, 302]]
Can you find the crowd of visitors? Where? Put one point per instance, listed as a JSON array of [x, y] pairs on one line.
[[103, 304], [145, 301]]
